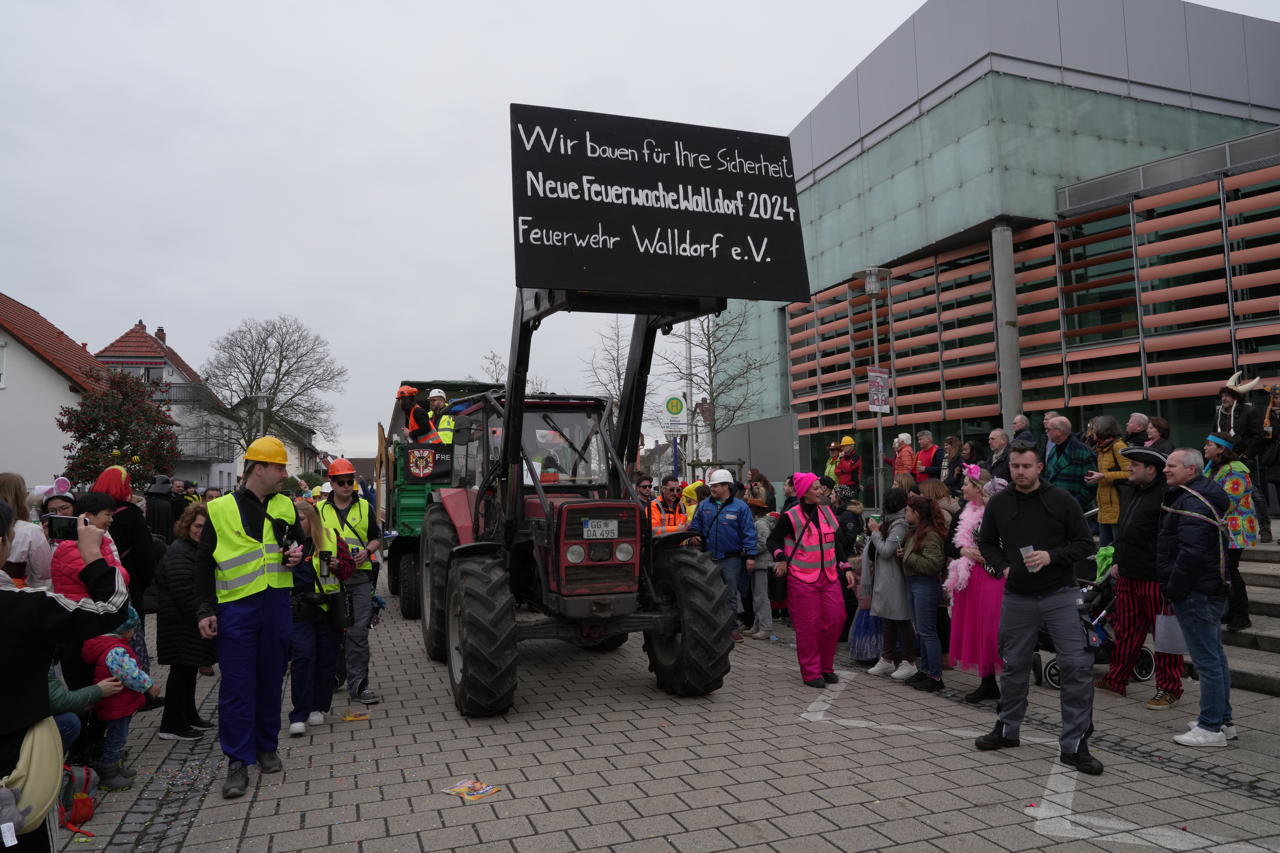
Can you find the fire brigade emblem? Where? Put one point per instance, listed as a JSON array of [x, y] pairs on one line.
[[422, 462]]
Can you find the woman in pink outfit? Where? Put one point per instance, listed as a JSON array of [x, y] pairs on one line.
[[976, 596], [806, 549]]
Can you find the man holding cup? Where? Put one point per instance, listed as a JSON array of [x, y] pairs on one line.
[[1035, 534]]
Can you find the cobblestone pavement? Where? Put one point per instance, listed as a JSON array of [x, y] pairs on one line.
[[594, 757]]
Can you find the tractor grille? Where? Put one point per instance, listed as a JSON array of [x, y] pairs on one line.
[[626, 516], [599, 576]]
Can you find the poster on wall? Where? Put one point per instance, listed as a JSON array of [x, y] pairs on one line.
[[879, 389]]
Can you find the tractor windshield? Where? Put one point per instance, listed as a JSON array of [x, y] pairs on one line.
[[566, 447]]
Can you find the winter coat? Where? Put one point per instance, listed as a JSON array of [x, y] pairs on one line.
[[764, 526], [1116, 469], [1244, 424], [1161, 445], [929, 463], [923, 557], [1136, 528], [160, 516], [726, 529], [67, 566], [1066, 469], [178, 640], [999, 466], [1048, 519], [31, 550], [849, 469], [1241, 516], [63, 700], [903, 460], [1191, 547], [882, 577], [132, 536], [101, 652]]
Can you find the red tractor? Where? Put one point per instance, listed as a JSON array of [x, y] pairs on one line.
[[541, 534]]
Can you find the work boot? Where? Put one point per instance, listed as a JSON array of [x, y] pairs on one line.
[[996, 740], [237, 780], [988, 689], [112, 778], [1082, 760], [269, 762]]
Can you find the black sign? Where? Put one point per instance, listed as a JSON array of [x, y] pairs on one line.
[[610, 203], [428, 463]]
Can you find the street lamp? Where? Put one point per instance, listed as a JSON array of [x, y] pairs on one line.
[[260, 403], [873, 277]]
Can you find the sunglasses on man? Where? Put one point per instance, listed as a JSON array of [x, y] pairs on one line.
[[344, 481], [645, 486]]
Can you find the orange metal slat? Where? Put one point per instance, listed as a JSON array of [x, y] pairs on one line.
[[1037, 296], [1183, 390], [1157, 248], [1043, 382], [1044, 229], [971, 310], [968, 290], [1039, 339], [962, 392], [1033, 318], [908, 361], [1189, 365], [1094, 284], [1163, 295], [900, 309], [800, 352], [1157, 271], [1103, 329], [907, 380], [968, 371], [912, 323], [1263, 331], [964, 271], [1033, 253], [1255, 279], [806, 382], [1261, 201], [1252, 179], [1039, 360], [1085, 218], [1254, 229], [1262, 305], [1178, 220], [1104, 305], [1107, 399], [1090, 239], [912, 285], [961, 332], [1176, 196], [909, 343], [1048, 272], [1103, 352], [1255, 254], [1187, 340], [1134, 372], [1097, 260], [1186, 315], [969, 351]]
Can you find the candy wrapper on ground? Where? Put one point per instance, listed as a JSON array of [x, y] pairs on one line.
[[471, 789]]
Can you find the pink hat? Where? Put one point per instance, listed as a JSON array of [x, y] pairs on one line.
[[801, 481]]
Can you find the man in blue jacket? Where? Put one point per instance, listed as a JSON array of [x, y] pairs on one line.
[[728, 534], [1190, 562]]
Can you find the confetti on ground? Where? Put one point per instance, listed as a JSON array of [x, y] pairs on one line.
[[471, 789], [354, 717]]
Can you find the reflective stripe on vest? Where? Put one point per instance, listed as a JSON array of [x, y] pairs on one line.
[[432, 437], [816, 550], [663, 521], [356, 530], [245, 565]]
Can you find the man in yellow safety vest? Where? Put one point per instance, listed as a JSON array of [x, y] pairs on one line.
[[243, 582]]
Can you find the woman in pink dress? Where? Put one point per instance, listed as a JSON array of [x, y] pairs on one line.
[[976, 595]]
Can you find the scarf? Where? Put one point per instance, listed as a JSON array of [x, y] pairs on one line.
[[959, 569]]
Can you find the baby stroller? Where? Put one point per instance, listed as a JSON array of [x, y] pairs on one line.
[[1097, 599]]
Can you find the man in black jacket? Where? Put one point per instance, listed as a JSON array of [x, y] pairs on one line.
[[1035, 533], [1191, 564], [1138, 598]]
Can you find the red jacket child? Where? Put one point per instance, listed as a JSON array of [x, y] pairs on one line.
[[111, 657], [67, 566]]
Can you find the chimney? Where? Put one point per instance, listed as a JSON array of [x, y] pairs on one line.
[[160, 334]]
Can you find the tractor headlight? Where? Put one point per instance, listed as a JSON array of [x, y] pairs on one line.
[[575, 553], [623, 552]]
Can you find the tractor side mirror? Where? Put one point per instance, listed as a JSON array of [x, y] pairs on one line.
[[462, 427]]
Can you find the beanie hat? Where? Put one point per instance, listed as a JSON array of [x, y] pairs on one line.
[[130, 622], [802, 480]]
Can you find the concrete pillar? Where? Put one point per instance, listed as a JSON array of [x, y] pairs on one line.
[[1004, 304]]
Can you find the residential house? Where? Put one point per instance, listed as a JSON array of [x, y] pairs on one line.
[[41, 370], [203, 425]]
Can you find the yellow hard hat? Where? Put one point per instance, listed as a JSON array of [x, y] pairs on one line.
[[267, 449], [846, 441]]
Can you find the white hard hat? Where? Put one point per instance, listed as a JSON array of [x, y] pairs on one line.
[[720, 475], [436, 392]]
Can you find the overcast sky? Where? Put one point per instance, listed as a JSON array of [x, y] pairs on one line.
[[193, 163]]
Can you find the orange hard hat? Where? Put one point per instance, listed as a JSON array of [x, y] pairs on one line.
[[341, 465], [406, 391]]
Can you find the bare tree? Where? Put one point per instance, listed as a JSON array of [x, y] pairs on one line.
[[606, 369], [726, 367], [285, 362], [494, 368]]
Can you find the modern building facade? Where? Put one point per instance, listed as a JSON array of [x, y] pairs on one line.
[[1022, 171]]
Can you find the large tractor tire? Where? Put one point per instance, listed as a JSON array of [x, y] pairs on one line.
[[410, 589], [481, 616], [694, 659], [438, 539]]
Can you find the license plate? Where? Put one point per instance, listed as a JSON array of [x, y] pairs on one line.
[[597, 528]]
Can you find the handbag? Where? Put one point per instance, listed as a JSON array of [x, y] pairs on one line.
[[36, 780], [341, 609], [1168, 635]]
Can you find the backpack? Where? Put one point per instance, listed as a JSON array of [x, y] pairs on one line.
[[75, 800]]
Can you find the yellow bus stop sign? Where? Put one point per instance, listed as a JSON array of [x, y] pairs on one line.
[[674, 406]]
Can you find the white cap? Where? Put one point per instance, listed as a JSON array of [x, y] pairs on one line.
[[436, 392], [326, 488], [720, 475]]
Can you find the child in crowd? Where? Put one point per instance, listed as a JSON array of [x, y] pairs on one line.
[[765, 522], [111, 657], [67, 564]]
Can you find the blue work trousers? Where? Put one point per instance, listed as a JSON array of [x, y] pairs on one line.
[[253, 651], [313, 658]]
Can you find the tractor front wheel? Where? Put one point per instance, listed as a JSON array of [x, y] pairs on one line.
[[481, 615], [410, 591], [693, 659], [439, 538]]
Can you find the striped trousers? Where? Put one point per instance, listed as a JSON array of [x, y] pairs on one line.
[[1133, 615]]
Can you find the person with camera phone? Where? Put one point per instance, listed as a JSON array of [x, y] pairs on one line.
[[317, 611]]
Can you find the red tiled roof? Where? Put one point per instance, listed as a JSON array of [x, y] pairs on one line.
[[50, 343], [139, 343]]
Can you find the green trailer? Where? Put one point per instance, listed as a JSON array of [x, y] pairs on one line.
[[407, 476]]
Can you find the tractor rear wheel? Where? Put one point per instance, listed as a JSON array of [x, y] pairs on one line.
[[694, 658], [410, 593], [481, 615], [438, 539]]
